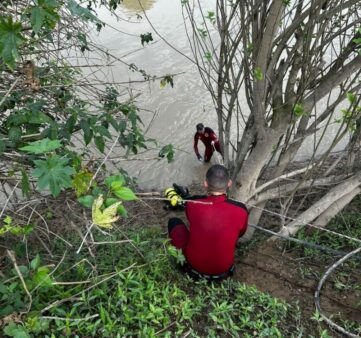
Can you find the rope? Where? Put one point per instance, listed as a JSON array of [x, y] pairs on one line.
[[306, 224], [273, 213], [302, 242], [318, 290]]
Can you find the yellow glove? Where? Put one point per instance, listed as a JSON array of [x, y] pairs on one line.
[[173, 197]]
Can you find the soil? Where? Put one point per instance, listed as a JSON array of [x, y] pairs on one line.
[[264, 264], [287, 275]]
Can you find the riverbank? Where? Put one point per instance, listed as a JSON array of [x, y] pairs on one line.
[[127, 283]]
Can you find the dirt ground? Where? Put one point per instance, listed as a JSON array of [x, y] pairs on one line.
[[280, 274], [267, 266], [285, 275]]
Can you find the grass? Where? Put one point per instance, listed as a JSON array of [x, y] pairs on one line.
[[150, 299]]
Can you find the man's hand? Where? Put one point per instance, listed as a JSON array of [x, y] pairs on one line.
[[200, 158]]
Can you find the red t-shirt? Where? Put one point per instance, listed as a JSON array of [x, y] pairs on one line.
[[213, 233]]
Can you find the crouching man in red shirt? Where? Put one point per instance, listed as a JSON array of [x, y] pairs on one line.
[[215, 224]]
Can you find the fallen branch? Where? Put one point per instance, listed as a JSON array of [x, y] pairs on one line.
[[13, 260]]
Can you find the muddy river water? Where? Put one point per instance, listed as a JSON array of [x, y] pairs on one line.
[[177, 110]]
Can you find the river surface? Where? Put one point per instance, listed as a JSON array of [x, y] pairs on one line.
[[177, 110]]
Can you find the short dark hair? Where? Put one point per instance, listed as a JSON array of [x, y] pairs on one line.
[[217, 178], [200, 126]]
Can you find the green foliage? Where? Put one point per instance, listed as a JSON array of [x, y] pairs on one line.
[[25, 186], [298, 110], [208, 56], [16, 331], [351, 97], [13, 297], [202, 32], [177, 254], [87, 200], [211, 16], [168, 79], [349, 225], [258, 74], [44, 15], [167, 151], [116, 192], [146, 38], [15, 229], [81, 182], [42, 146], [81, 12], [49, 118], [151, 297], [10, 40], [286, 2], [53, 173]]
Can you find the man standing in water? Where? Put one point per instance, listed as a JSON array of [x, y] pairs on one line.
[[215, 224], [210, 141]]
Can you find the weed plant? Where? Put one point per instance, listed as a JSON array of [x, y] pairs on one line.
[[151, 298]]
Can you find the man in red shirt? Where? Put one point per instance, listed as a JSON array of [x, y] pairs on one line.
[[210, 141], [215, 224]]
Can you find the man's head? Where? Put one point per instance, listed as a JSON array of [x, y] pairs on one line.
[[200, 128], [217, 179]]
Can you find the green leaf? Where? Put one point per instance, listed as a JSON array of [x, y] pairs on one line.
[[42, 146], [17, 331], [81, 182], [168, 151], [41, 277], [103, 131], [208, 56], [87, 200], [83, 13], [25, 186], [88, 133], [35, 263], [110, 201], [37, 18], [122, 211], [99, 142], [15, 134], [258, 74], [8, 220], [351, 97], [44, 15], [10, 40], [53, 173], [168, 79], [146, 38], [119, 179], [125, 194]]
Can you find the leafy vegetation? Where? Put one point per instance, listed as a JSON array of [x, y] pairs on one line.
[[145, 296]]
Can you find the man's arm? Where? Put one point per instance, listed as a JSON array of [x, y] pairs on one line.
[[243, 229], [195, 147]]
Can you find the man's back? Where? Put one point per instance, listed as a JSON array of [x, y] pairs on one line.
[[214, 229]]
